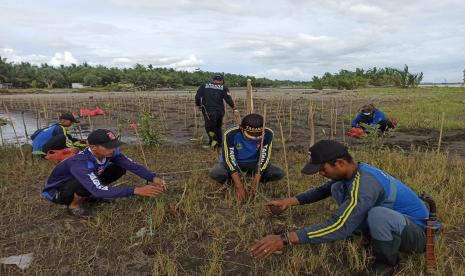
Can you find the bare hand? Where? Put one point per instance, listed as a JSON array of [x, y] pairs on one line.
[[240, 194], [278, 206], [148, 190], [157, 181], [254, 185], [266, 246]]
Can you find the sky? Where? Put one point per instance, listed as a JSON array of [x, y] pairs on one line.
[[279, 39]]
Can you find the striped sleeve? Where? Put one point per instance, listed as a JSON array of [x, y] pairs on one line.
[[361, 196], [265, 154], [228, 150]]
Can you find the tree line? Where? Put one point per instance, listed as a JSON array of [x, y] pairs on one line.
[[346, 79], [27, 75]]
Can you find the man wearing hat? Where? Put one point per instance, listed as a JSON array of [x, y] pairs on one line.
[[209, 99], [241, 153], [370, 201], [88, 174], [55, 136], [372, 116]]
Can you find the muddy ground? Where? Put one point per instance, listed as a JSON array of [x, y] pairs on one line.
[[196, 228], [174, 112]]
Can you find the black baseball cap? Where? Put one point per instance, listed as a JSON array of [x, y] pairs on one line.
[[69, 117], [105, 138], [218, 77], [321, 152]]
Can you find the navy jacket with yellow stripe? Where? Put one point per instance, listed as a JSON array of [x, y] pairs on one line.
[[368, 188], [239, 150]]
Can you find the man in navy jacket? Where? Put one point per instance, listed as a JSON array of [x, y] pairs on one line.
[[89, 173], [370, 201]]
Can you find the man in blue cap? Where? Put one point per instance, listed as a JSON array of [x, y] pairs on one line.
[[87, 175], [370, 201], [209, 99]]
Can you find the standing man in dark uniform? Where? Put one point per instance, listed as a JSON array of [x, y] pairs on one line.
[[209, 99]]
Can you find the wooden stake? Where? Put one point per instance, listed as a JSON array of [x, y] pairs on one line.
[[249, 98], [311, 124], [283, 141]]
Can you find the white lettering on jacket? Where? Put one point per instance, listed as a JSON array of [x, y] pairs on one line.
[[214, 86], [265, 147], [96, 182]]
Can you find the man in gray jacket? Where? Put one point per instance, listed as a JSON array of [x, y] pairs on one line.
[[370, 201]]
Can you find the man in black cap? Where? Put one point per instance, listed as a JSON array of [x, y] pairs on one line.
[[370, 201], [242, 151], [55, 136], [88, 175], [209, 99]]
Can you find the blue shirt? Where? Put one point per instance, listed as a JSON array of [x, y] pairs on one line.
[[237, 149], [374, 119], [369, 187], [85, 168]]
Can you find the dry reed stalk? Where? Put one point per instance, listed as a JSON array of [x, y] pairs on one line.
[[195, 122], [182, 197], [38, 119], [25, 129], [335, 117], [141, 146], [290, 121], [343, 131], [185, 114], [350, 108], [322, 108], [14, 131], [311, 124], [331, 120], [1, 136], [90, 123], [440, 131], [283, 141]]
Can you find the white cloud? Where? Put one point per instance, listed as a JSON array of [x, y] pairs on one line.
[[282, 38], [288, 74], [122, 60], [65, 58]]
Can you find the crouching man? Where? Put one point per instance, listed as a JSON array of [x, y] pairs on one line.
[[87, 175], [370, 201], [242, 151]]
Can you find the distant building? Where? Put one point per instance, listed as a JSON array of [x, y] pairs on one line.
[[77, 85], [5, 85]]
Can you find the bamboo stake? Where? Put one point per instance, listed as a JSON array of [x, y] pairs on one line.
[[335, 118], [249, 98], [261, 150], [331, 120], [290, 121], [440, 131], [311, 124], [283, 141]]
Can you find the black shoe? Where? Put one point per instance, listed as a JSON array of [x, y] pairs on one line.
[[80, 212]]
